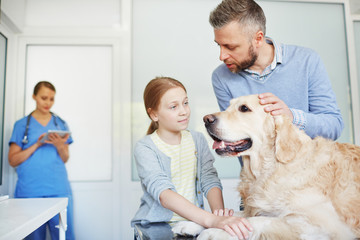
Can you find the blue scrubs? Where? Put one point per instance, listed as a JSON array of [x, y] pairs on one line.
[[43, 174]]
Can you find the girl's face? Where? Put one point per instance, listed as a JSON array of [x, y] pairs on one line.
[[44, 99], [173, 113]]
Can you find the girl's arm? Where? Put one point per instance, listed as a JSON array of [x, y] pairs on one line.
[[180, 205], [215, 199], [216, 202], [235, 226]]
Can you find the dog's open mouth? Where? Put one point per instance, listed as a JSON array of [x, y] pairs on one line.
[[230, 148]]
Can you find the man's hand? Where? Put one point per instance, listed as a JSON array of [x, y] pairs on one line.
[[276, 105]]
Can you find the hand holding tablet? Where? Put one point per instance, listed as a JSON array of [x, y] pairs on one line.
[[61, 133]]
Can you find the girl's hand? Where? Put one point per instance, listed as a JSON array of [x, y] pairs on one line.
[[235, 226], [223, 212]]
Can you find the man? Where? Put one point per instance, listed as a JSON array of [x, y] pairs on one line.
[[292, 79]]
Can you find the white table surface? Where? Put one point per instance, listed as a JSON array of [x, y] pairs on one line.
[[20, 217]]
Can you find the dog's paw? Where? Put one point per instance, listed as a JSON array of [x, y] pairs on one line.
[[187, 228], [215, 234]]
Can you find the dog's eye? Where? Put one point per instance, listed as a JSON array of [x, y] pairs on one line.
[[244, 108]]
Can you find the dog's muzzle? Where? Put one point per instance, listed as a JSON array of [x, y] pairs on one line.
[[221, 146]]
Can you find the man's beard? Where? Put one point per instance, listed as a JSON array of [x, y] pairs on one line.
[[246, 63]]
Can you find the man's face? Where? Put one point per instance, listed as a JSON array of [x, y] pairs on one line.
[[236, 49]]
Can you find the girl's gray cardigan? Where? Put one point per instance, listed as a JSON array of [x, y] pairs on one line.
[[154, 169]]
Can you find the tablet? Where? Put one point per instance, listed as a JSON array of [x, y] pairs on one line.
[[61, 133]]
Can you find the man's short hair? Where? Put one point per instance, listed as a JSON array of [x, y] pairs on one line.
[[247, 12]]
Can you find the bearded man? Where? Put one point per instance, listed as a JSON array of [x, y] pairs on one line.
[[289, 79]]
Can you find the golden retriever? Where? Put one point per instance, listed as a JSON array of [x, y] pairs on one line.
[[292, 186]]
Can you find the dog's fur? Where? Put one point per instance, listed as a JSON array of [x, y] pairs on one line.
[[292, 186]]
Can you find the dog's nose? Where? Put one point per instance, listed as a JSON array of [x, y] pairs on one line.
[[209, 119]]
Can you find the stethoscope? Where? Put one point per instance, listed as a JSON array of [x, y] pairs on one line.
[[25, 139]]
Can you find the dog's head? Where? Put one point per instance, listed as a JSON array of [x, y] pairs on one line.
[[246, 129], [240, 129]]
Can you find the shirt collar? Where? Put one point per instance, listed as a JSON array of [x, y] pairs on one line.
[[278, 52], [277, 58]]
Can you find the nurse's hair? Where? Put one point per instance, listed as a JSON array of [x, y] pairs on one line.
[[153, 93], [43, 84], [247, 13]]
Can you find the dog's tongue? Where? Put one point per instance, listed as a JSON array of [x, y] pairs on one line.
[[218, 144]]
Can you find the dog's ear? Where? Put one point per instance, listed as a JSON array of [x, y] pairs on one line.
[[287, 139]]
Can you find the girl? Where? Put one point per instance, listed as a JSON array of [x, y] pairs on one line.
[[175, 165], [41, 165]]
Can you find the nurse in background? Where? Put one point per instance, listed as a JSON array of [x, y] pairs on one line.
[[40, 166]]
